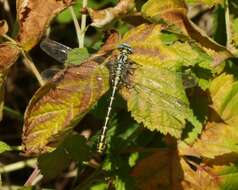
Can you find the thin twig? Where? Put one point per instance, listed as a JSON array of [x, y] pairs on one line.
[[13, 113], [83, 25], [34, 178], [18, 165], [228, 25], [76, 24], [27, 60]]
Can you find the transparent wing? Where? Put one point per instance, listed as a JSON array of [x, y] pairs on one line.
[[54, 49], [49, 73], [188, 79]]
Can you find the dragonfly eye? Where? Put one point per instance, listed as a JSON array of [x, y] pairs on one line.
[[124, 47]]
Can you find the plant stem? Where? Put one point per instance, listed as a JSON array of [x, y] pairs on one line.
[[228, 26], [13, 113], [34, 178], [18, 165], [27, 60], [83, 25], [76, 24]]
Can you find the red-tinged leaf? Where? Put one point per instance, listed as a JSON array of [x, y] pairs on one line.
[[61, 103], [34, 16], [160, 170], [217, 139], [157, 96], [3, 27], [8, 55], [175, 12], [201, 178], [100, 18]]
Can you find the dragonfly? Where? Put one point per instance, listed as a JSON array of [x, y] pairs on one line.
[[119, 70]]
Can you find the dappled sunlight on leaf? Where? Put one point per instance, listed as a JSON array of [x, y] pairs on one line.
[[157, 97], [216, 139], [224, 95], [61, 103], [175, 12]]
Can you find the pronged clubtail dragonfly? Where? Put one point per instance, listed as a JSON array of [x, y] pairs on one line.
[[119, 71]]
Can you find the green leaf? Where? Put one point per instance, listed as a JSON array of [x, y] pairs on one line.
[[66, 17], [174, 12], [228, 176], [76, 56], [219, 25], [157, 97], [119, 184], [159, 12], [54, 163], [224, 94], [99, 186], [208, 2], [217, 139], [59, 105], [4, 147], [222, 177], [28, 188], [77, 148], [72, 148]]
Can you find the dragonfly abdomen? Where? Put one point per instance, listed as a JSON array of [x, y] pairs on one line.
[[125, 50]]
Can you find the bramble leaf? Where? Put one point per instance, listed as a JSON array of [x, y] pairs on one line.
[[76, 56], [207, 177], [157, 97], [174, 12], [160, 169], [224, 94], [32, 22], [61, 103], [208, 2], [72, 148], [216, 139], [8, 55]]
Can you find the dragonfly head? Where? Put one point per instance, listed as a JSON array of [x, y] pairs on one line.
[[124, 47]]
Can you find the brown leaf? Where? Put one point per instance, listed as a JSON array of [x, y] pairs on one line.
[[100, 18], [160, 170], [3, 27], [34, 16], [59, 105], [8, 55], [217, 139], [175, 12], [202, 178]]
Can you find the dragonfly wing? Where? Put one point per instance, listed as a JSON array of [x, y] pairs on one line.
[[54, 49], [49, 73], [157, 99]]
